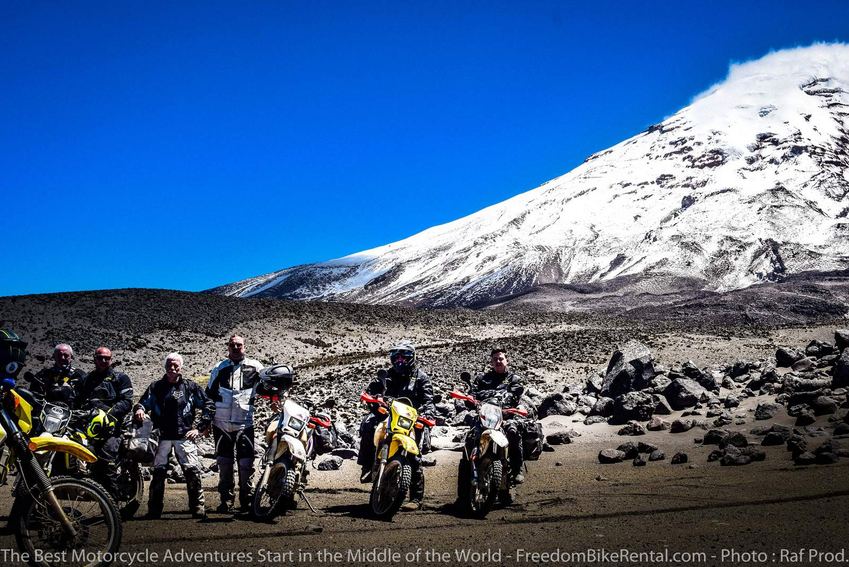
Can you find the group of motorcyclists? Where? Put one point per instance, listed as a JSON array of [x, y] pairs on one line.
[[183, 411]]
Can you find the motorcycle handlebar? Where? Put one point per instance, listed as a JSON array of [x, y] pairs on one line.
[[471, 399]]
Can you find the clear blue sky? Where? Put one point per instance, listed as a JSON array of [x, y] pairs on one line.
[[188, 144]]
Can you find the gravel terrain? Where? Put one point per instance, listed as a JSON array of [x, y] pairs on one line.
[[570, 502]]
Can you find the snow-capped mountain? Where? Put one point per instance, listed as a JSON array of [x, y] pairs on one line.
[[746, 184]]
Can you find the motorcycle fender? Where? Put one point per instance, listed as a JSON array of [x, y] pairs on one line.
[[59, 445], [296, 448], [403, 442], [497, 437]]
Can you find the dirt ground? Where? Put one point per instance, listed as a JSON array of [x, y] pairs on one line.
[[572, 508], [570, 505]]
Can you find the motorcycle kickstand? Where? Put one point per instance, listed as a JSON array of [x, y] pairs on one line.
[[307, 500]]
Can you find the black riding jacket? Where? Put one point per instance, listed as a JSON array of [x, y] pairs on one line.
[[110, 391], [507, 386], [416, 386], [56, 384], [172, 407]]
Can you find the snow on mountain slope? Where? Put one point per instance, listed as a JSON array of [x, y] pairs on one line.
[[746, 184]]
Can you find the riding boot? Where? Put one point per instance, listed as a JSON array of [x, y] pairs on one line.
[[195, 490], [225, 483], [246, 486], [417, 484], [157, 492], [464, 478]]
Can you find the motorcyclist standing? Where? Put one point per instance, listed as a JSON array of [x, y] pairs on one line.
[[57, 383], [404, 380], [508, 387], [173, 402], [112, 392], [232, 386]]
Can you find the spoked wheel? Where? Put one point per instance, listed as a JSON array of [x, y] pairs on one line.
[[275, 491], [389, 489], [482, 496], [132, 490], [93, 515], [264, 503]]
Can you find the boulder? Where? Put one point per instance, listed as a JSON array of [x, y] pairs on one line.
[[657, 455], [841, 339], [630, 368], [785, 357], [714, 437], [774, 438], [805, 417], [805, 458], [797, 444], [557, 404], [823, 405], [639, 461], [804, 364], [646, 447], [766, 411], [603, 406], [679, 458], [734, 439], [734, 460], [681, 425], [630, 449], [330, 463], [633, 406], [840, 372], [819, 349], [633, 428], [593, 419], [559, 438], [683, 393], [610, 456], [703, 377], [657, 424]]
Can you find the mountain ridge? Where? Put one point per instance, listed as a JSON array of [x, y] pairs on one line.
[[745, 185]]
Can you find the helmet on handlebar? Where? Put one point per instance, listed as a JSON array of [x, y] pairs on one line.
[[277, 379], [101, 425], [13, 353], [403, 356]]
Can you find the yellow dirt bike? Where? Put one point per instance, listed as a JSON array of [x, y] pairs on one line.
[[75, 425], [57, 521], [394, 441]]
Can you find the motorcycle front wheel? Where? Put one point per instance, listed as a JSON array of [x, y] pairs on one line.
[[390, 488], [274, 491], [482, 496], [92, 513]]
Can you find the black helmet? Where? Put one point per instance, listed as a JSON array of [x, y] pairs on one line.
[[13, 353], [403, 356], [277, 378]]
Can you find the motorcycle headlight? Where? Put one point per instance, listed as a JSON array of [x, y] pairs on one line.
[[405, 422], [296, 424], [490, 416]]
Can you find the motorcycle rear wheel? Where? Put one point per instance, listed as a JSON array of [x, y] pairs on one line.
[[389, 489], [132, 485], [91, 511]]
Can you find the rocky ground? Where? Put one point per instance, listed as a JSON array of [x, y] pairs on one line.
[[676, 406]]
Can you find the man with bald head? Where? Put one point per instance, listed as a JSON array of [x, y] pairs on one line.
[[232, 386], [106, 389], [57, 383]]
